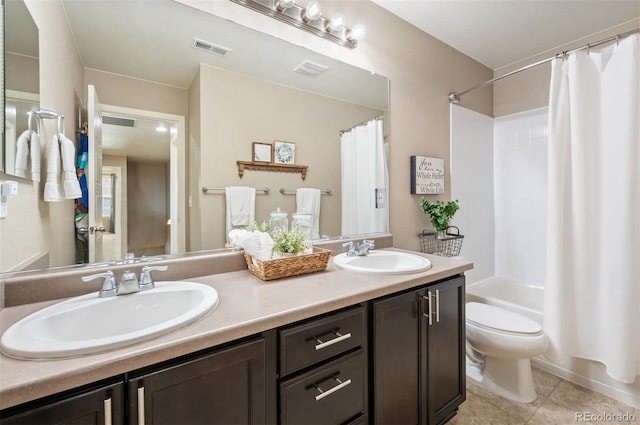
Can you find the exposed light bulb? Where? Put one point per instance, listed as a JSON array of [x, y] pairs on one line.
[[311, 12], [357, 33], [335, 24], [281, 5]]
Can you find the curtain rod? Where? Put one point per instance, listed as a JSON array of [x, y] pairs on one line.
[[455, 97], [341, 132]]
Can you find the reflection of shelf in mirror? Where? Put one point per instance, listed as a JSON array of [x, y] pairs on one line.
[[282, 168]]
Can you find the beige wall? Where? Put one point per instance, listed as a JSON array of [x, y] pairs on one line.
[[422, 72], [194, 240], [310, 121], [22, 73], [530, 89], [134, 93], [35, 228]]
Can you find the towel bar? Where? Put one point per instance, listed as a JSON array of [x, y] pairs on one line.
[[206, 189], [293, 191]]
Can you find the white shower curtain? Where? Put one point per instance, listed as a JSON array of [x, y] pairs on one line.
[[364, 169], [592, 290]]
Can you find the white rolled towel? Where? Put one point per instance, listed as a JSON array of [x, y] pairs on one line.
[[70, 182], [28, 143], [52, 189]]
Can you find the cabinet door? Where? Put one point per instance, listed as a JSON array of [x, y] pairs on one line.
[[396, 360], [103, 406], [225, 387], [446, 378]]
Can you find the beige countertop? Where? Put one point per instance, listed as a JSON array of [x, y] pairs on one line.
[[247, 306]]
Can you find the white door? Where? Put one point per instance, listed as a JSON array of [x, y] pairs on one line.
[[94, 176]]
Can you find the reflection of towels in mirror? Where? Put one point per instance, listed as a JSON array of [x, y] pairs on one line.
[[241, 207], [28, 143], [308, 200], [61, 146]]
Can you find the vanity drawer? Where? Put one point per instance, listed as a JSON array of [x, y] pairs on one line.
[[331, 394], [308, 343]]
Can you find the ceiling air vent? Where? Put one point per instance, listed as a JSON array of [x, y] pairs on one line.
[[310, 69], [122, 122], [210, 47]]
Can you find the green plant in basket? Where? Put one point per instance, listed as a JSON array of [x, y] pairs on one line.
[[255, 227], [439, 212], [290, 242]]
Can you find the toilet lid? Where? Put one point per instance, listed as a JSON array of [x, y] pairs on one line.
[[500, 319]]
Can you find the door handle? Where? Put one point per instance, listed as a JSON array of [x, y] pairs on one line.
[[324, 344], [437, 306], [141, 406], [430, 307], [94, 229]]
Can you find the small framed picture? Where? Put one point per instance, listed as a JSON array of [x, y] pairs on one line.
[[284, 152], [261, 152]]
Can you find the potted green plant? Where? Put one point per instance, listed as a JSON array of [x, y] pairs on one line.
[[439, 213]]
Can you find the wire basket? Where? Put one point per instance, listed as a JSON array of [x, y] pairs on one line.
[[444, 244]]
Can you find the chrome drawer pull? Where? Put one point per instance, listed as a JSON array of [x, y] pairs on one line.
[[339, 337], [107, 412], [338, 387], [438, 305], [141, 406]]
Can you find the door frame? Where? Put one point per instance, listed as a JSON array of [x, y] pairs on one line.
[[177, 169]]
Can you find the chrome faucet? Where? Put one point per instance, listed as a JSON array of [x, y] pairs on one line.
[[146, 281], [109, 287], [128, 284], [361, 249]]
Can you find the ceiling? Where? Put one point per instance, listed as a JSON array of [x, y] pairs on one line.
[[497, 33]]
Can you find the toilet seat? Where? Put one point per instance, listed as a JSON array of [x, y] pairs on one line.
[[497, 319]]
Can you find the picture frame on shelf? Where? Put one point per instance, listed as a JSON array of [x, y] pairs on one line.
[[262, 152], [284, 152]]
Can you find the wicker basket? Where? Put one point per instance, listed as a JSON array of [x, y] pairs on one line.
[[289, 266], [447, 245]]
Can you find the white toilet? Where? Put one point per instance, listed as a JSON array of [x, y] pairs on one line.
[[499, 346]]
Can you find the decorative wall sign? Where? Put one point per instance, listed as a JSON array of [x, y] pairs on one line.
[[427, 175], [261, 152], [284, 152]]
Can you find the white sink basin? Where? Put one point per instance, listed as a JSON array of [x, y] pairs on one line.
[[383, 262], [88, 324]]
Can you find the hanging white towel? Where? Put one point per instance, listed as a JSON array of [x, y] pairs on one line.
[[241, 205], [70, 181], [52, 189], [61, 147], [28, 143], [308, 200]]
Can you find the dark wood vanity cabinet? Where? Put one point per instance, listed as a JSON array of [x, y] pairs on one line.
[[323, 370], [103, 405], [418, 354], [392, 360], [228, 386]]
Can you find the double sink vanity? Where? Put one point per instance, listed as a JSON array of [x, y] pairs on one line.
[[372, 339]]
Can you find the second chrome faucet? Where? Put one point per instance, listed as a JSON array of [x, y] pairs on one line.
[[128, 284]]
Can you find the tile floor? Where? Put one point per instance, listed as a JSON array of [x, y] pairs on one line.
[[559, 402]]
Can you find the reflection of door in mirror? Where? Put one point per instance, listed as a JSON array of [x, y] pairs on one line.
[[94, 176], [21, 78]]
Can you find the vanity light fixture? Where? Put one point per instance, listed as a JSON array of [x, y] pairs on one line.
[[309, 18]]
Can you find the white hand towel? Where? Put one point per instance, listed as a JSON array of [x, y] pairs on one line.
[[52, 189], [28, 142], [35, 156], [70, 182], [22, 153], [241, 206], [308, 199]]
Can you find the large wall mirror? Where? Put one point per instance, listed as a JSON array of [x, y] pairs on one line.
[[228, 102]]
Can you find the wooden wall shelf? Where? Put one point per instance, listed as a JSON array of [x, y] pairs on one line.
[[262, 166]]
